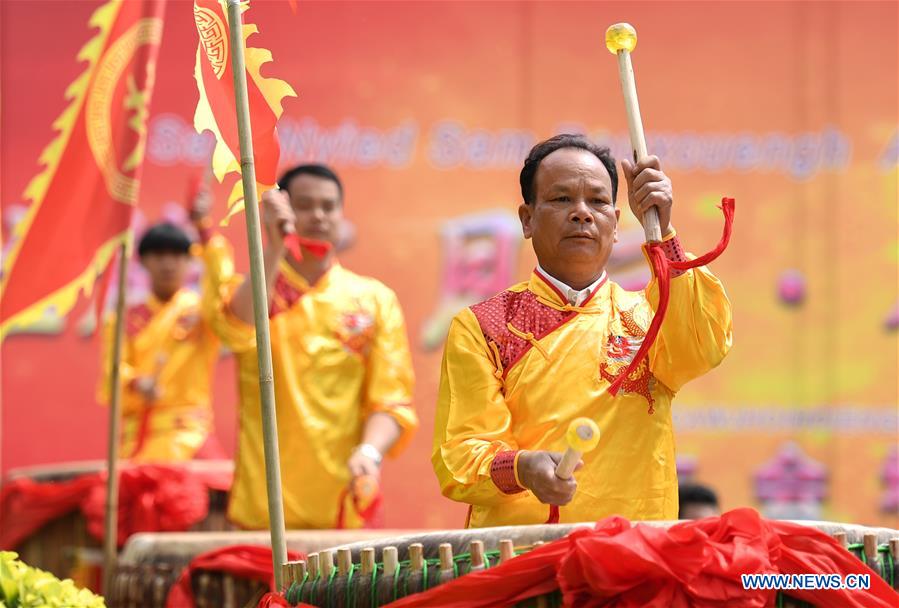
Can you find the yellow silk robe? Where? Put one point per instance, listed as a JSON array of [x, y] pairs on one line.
[[172, 342], [518, 368], [340, 353]]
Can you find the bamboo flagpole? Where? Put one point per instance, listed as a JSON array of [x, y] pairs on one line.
[[111, 520], [260, 297]]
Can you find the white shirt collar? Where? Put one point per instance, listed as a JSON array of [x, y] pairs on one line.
[[575, 297]]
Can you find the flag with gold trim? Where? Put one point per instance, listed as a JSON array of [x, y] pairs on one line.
[[217, 106], [82, 199]]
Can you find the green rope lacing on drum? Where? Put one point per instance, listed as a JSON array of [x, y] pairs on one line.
[[374, 585], [859, 550], [350, 590], [424, 577], [298, 595], [396, 582], [330, 584], [288, 595], [887, 569]]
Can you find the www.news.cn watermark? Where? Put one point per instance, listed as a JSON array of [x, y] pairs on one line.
[[802, 582]]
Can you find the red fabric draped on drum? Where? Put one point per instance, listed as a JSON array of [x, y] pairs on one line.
[[243, 561], [152, 498], [696, 563]]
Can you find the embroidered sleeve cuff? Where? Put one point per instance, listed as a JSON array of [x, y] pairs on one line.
[[503, 472], [674, 252]]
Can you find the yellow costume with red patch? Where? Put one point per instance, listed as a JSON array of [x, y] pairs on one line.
[[340, 353], [520, 366], [172, 343]]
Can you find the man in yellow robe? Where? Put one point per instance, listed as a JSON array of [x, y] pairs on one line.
[[342, 369], [169, 353], [520, 366]]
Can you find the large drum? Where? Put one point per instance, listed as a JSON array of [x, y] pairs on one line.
[[151, 563], [376, 573], [64, 546]]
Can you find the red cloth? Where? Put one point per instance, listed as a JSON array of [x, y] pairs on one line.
[[317, 248], [26, 505], [151, 498], [244, 561], [696, 563], [272, 599], [661, 266]]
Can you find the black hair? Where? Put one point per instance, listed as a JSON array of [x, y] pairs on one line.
[[164, 238], [695, 494], [313, 169], [565, 140]]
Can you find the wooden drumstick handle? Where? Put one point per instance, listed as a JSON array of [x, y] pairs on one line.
[[565, 468], [651, 227]]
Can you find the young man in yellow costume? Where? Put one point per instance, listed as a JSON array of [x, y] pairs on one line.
[[519, 367], [169, 350], [342, 369]]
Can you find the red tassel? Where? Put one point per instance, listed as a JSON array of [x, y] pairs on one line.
[[553, 514], [369, 513], [727, 207], [661, 266]]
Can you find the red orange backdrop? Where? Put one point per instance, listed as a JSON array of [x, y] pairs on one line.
[[426, 110]]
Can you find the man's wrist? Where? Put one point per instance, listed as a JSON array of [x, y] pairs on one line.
[[370, 452], [504, 472], [674, 251]]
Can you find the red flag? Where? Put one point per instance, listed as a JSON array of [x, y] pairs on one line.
[[217, 106], [81, 202]]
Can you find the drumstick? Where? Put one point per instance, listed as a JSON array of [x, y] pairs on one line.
[[582, 436], [621, 39]]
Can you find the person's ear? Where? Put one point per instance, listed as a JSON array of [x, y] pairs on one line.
[[617, 219], [524, 214]]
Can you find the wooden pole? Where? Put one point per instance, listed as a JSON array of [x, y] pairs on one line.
[[260, 297], [111, 521]]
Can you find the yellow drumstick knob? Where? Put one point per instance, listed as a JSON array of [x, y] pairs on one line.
[[621, 37], [582, 436]]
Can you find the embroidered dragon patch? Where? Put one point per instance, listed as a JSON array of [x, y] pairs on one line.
[[620, 350], [356, 330]]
